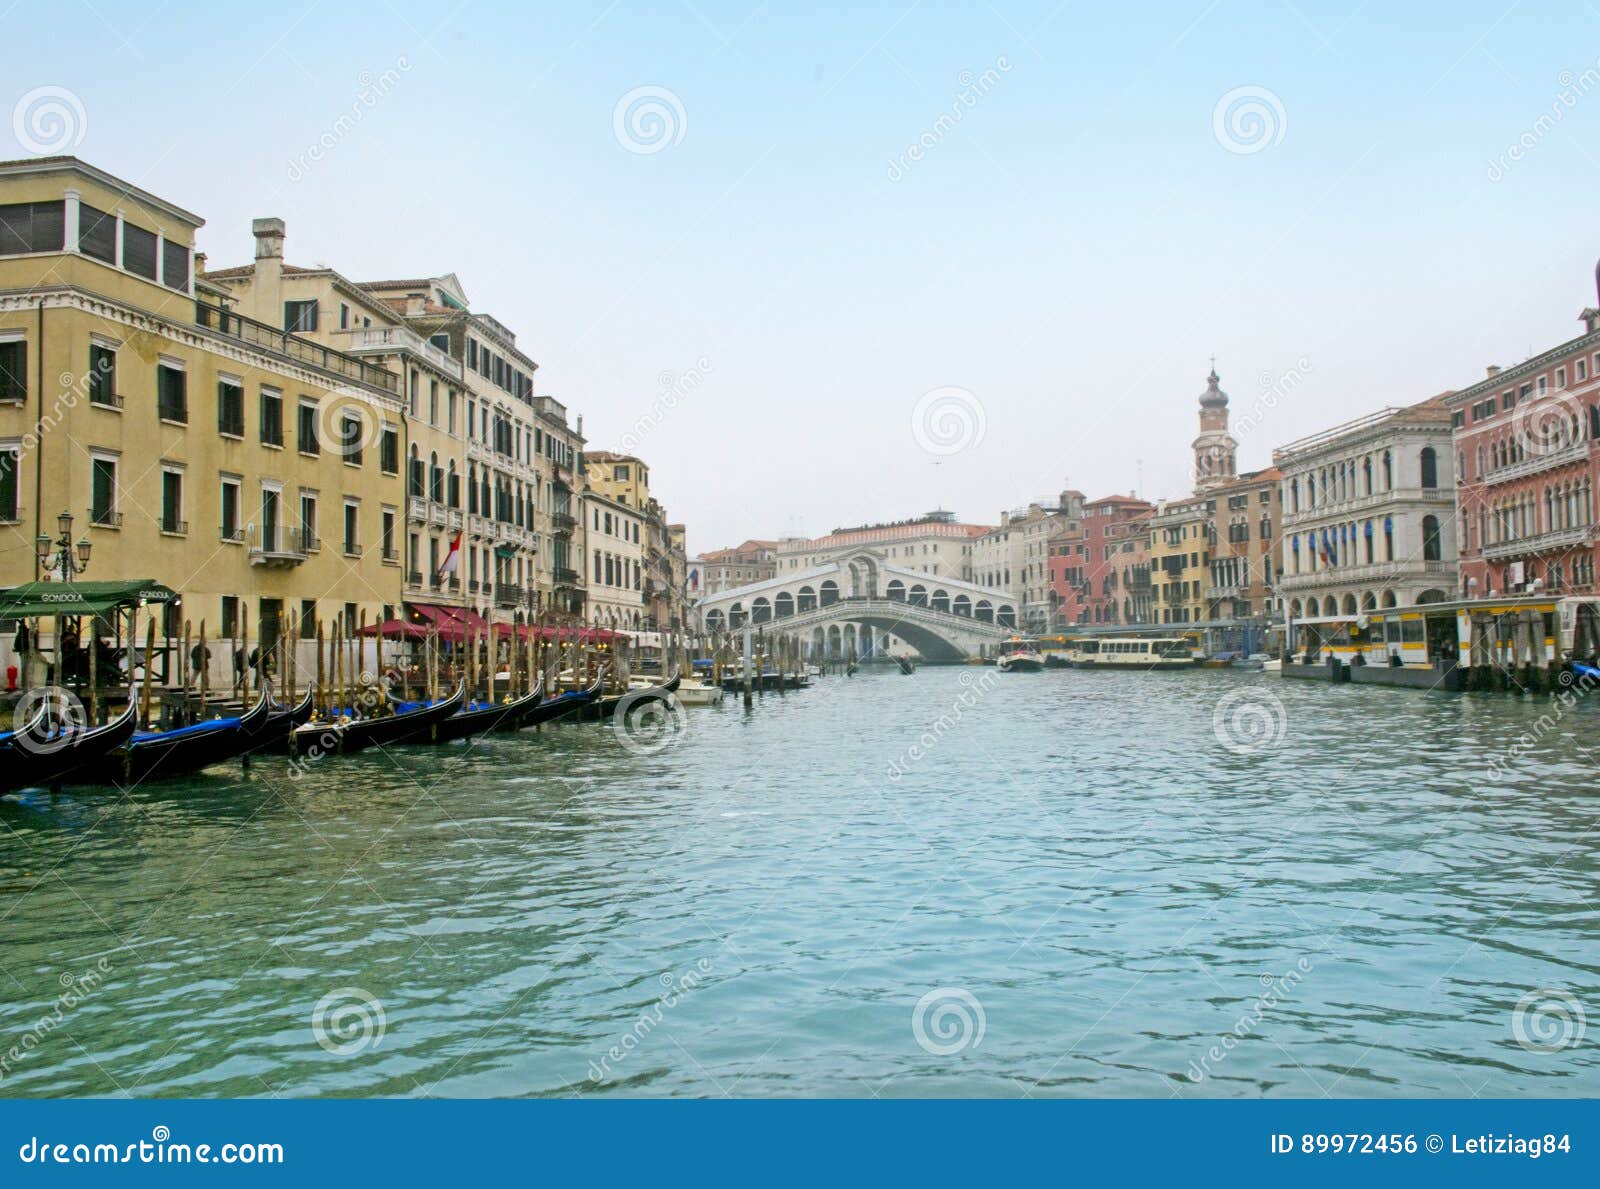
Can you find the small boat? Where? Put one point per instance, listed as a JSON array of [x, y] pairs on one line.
[[907, 665], [30, 729], [606, 707], [477, 720], [180, 751], [1019, 657], [413, 724], [1272, 665], [694, 692], [44, 760], [557, 707]]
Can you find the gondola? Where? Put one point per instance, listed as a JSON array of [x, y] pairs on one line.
[[46, 761], [165, 754], [477, 721], [274, 734], [907, 665], [416, 725], [557, 707], [605, 707], [32, 728]]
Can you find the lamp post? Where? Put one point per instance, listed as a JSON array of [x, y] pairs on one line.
[[60, 554]]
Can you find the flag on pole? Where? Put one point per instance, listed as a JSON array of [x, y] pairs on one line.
[[452, 558]]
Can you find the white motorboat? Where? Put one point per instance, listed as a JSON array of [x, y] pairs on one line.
[[1019, 656]]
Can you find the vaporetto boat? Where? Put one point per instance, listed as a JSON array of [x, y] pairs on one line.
[[1134, 652]]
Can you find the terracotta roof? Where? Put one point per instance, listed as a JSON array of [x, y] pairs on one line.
[[245, 270]]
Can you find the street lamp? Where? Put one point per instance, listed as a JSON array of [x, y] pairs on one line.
[[61, 554]]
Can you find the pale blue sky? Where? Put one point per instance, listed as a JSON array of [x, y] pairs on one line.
[[1071, 251]]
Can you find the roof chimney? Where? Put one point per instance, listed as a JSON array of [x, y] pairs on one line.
[[269, 238], [1492, 370], [414, 304]]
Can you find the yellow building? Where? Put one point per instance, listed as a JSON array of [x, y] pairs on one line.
[[322, 305], [1180, 558], [192, 444]]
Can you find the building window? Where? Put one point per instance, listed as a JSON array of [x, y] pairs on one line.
[[352, 527], [306, 431], [308, 619], [32, 227], [344, 316], [103, 490], [10, 460], [14, 370], [175, 266], [172, 394], [230, 511], [308, 522], [389, 553], [271, 417], [172, 502], [1431, 545], [139, 251], [230, 408], [1430, 468], [102, 376], [350, 439], [97, 233], [230, 616], [300, 317], [389, 451]]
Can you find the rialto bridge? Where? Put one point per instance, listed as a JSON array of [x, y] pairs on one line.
[[860, 605]]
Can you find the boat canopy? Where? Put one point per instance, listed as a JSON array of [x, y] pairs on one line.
[[34, 599]]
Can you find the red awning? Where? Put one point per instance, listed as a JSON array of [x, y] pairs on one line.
[[453, 617]]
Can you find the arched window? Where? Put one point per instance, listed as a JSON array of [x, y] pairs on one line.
[[761, 610], [419, 476], [1006, 617], [896, 590], [806, 599], [1294, 609], [435, 480], [830, 593], [1366, 475], [984, 611], [736, 616], [783, 605], [919, 596], [941, 601], [453, 486], [962, 605], [713, 620], [1388, 471], [1430, 467], [1432, 549]]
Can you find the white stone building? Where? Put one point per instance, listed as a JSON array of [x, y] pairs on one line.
[[1369, 514]]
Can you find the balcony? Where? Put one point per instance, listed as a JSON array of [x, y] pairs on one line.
[[563, 522], [479, 526], [564, 576], [1224, 592], [276, 547], [453, 519], [278, 342], [1537, 463], [507, 595], [417, 509], [1565, 538], [436, 514], [386, 340]]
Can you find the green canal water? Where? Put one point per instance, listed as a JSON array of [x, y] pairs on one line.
[[959, 883]]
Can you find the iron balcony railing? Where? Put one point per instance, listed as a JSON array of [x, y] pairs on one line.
[[280, 342]]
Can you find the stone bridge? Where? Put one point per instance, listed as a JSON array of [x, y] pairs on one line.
[[862, 603]]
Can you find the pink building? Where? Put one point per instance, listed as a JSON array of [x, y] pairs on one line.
[[1100, 570], [1527, 442]]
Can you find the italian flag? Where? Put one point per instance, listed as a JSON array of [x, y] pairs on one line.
[[452, 558]]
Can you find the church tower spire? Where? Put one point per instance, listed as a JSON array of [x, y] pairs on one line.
[[1215, 449]]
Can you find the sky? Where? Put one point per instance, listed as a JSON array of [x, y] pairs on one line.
[[831, 263]]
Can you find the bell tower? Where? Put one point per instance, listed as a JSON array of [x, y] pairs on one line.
[[1215, 448]]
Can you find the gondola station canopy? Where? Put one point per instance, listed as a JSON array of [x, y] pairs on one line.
[[32, 600]]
